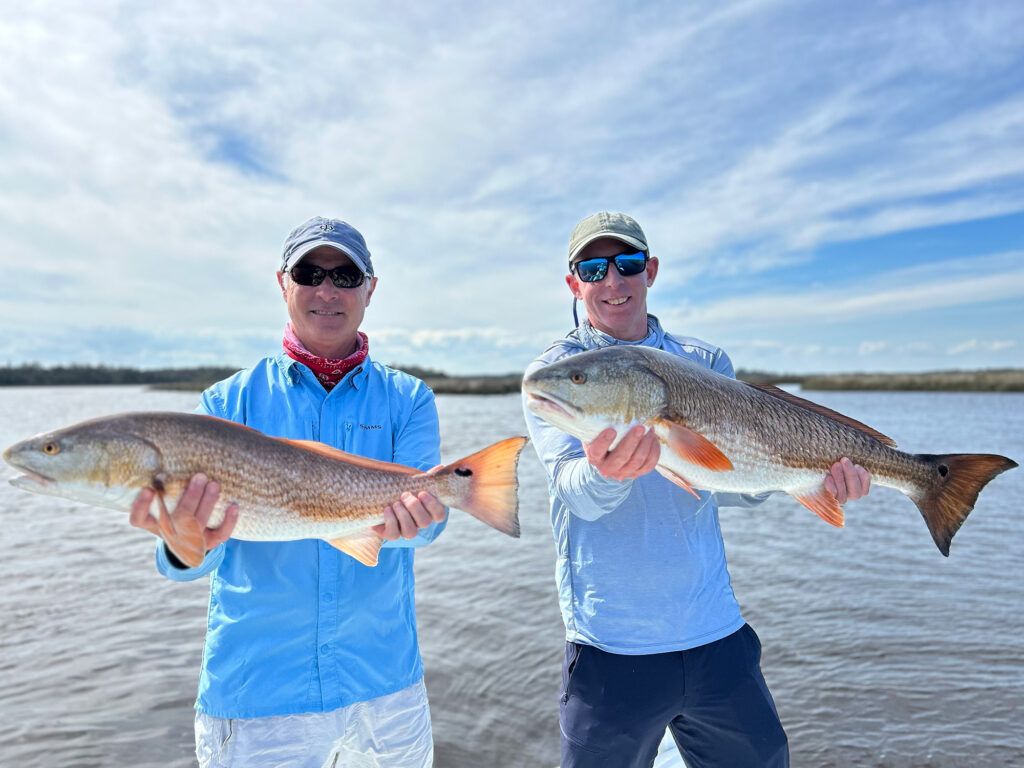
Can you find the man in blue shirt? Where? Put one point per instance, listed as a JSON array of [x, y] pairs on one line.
[[311, 658], [654, 635]]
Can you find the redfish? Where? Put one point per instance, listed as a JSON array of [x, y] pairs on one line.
[[285, 489], [720, 434]]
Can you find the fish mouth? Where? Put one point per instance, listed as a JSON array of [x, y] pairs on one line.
[[541, 402], [30, 479]]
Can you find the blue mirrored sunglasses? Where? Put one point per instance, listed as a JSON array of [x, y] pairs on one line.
[[593, 270], [345, 276]]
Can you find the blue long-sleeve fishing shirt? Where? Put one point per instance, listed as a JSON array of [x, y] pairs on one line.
[[641, 563], [298, 626]]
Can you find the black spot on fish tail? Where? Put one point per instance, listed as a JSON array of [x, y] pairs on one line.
[[950, 495], [463, 472]]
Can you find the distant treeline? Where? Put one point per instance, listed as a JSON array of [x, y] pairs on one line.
[[33, 374], [993, 380], [196, 379]]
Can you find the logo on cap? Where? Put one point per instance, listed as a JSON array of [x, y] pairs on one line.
[[327, 227]]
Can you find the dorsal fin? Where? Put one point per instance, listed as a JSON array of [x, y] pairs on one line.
[[822, 410], [349, 458]]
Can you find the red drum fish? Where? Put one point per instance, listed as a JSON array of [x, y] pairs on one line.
[[720, 434], [285, 489]]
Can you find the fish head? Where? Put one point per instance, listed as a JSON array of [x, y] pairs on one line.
[[586, 393], [89, 462]]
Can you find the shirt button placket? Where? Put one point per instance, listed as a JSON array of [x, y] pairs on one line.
[[327, 623]]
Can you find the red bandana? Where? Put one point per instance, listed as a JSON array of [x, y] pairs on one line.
[[328, 372]]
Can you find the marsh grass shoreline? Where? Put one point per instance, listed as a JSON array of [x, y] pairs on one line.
[[198, 378]]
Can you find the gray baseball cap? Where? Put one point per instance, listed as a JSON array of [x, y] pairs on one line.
[[335, 233], [606, 224]]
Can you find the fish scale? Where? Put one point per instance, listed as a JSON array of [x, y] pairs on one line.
[[285, 489], [720, 434]]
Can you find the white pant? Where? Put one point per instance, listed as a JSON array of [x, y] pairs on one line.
[[391, 731]]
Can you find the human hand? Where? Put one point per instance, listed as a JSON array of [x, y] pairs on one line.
[[191, 513], [635, 455], [409, 515], [847, 481]]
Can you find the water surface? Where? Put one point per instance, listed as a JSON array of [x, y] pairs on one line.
[[878, 650]]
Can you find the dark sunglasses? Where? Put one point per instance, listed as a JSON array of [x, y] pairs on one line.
[[628, 264], [345, 276]]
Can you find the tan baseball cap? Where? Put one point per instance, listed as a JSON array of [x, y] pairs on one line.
[[606, 224]]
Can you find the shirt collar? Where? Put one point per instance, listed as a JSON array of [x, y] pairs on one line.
[[591, 338], [294, 371]]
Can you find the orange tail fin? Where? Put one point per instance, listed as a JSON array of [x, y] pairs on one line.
[[956, 483], [491, 490]]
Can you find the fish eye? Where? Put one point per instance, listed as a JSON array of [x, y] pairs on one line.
[[51, 449], [578, 377]]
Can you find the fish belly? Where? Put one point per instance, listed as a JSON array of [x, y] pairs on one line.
[[750, 474], [252, 528]]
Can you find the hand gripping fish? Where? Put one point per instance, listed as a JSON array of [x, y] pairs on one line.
[[720, 434], [285, 489]]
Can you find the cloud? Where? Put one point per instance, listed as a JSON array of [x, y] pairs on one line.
[[973, 345], [938, 285], [871, 347], [153, 156]]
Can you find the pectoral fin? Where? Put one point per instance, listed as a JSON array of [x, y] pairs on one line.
[[184, 538], [693, 447], [822, 503], [679, 480], [364, 546]]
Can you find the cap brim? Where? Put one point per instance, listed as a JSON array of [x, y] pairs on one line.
[[640, 246], [302, 251]]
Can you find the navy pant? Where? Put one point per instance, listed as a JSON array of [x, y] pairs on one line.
[[615, 707]]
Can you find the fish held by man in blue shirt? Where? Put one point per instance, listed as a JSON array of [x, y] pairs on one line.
[[285, 489], [720, 434]]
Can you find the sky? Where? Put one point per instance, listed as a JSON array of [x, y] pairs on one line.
[[827, 186]]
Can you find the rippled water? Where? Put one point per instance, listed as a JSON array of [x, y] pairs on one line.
[[879, 651]]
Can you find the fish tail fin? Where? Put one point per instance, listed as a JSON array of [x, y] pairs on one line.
[[491, 493], [957, 479]]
